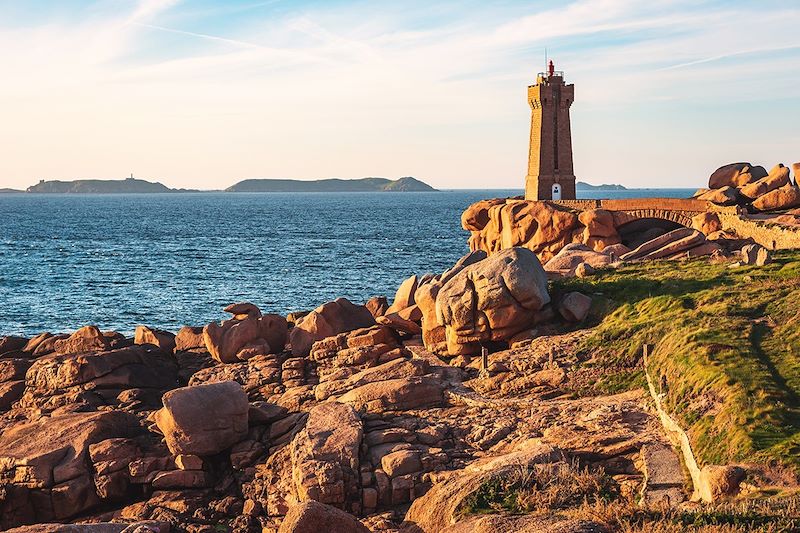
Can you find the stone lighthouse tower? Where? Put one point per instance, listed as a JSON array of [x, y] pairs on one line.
[[550, 173]]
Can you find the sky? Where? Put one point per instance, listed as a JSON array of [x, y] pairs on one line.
[[202, 93]]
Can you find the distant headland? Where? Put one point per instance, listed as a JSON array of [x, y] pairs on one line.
[[134, 185], [583, 186], [406, 184]]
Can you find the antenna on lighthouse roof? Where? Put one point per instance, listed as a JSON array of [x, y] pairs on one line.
[[545, 59]]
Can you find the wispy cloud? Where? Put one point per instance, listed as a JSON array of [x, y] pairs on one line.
[[213, 93]]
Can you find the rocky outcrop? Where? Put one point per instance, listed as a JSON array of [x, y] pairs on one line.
[[246, 335], [329, 319], [542, 227], [44, 465], [754, 188], [92, 379], [491, 300], [203, 419]]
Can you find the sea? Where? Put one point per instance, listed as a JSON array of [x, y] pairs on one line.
[[168, 260]]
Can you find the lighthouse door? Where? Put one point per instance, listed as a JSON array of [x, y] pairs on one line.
[[556, 191]]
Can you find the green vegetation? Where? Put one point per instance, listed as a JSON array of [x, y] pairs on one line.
[[726, 349]]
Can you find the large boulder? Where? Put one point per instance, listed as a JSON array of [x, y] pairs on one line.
[[327, 320], [203, 419], [189, 338], [315, 517], [667, 245], [785, 197], [492, 299], [735, 175], [247, 334], [778, 177], [325, 456]]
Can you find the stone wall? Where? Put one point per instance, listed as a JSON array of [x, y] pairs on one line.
[[771, 236]]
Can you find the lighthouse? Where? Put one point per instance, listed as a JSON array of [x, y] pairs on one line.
[[550, 172]]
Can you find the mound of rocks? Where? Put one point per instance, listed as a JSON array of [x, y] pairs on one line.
[[247, 334], [752, 186], [542, 227]]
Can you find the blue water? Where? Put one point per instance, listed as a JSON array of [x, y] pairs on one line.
[[174, 259]]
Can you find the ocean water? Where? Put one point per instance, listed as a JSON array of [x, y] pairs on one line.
[[166, 260]]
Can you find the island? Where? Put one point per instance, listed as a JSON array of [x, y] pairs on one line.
[[129, 185], [406, 184], [583, 186], [137, 186], [9, 191]]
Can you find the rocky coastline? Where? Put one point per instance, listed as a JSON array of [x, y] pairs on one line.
[[478, 399]]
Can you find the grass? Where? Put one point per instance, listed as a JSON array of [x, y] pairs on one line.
[[726, 345], [568, 491], [539, 489], [766, 516]]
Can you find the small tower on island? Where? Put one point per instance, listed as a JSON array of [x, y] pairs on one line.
[[550, 172]]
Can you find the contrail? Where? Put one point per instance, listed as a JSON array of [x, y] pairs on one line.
[[241, 44], [732, 54]]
